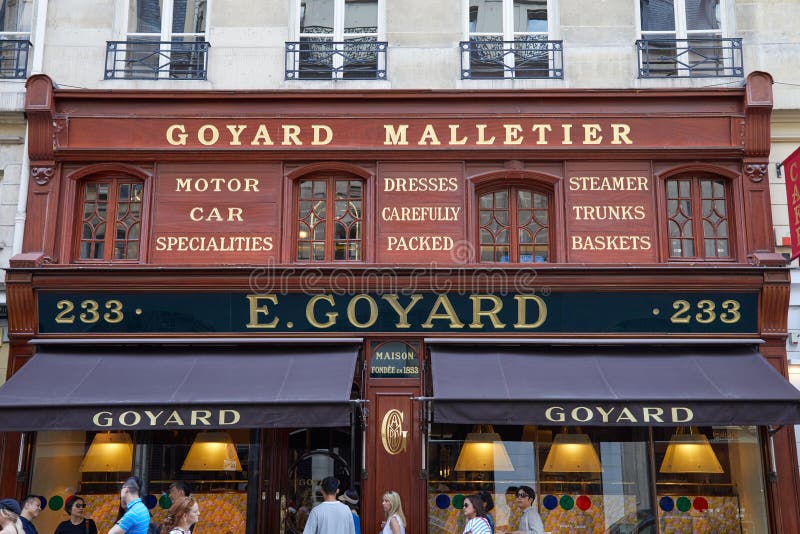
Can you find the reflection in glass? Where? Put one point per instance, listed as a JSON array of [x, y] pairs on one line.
[[60, 460], [617, 500], [314, 454], [728, 499]]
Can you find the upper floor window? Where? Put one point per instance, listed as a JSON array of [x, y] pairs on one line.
[[16, 17], [514, 226], [510, 39], [686, 38], [163, 39], [111, 219], [697, 217], [329, 219], [337, 39]]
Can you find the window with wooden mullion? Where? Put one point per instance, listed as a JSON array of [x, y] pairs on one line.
[[514, 226], [323, 235], [115, 203], [690, 228]]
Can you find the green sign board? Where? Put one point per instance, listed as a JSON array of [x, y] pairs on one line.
[[622, 312]]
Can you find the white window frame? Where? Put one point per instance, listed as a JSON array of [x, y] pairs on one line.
[[508, 33], [726, 18], [338, 34], [165, 34], [22, 35], [681, 32]]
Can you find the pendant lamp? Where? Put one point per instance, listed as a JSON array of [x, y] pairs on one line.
[[109, 452], [690, 453], [483, 450], [212, 451], [572, 453]]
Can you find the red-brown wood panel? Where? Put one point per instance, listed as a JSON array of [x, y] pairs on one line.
[[420, 213], [610, 212], [216, 213], [395, 466]]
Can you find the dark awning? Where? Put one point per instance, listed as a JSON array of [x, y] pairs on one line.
[[643, 386], [174, 388]]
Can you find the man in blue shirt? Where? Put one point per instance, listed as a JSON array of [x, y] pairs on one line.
[[137, 517], [31, 506]]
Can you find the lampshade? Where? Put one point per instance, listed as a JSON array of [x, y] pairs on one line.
[[572, 453], [212, 451], [109, 452], [690, 453], [483, 450]]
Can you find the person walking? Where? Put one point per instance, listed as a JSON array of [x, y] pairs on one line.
[[395, 522], [529, 522], [330, 516], [137, 517], [31, 507], [78, 523], [350, 498], [476, 516], [183, 514], [9, 517], [179, 489]]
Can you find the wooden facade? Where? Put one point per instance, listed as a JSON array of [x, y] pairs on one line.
[[221, 204]]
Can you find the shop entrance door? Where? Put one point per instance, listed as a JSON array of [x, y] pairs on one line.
[[296, 461]]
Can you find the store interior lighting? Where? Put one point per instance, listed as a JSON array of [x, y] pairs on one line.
[[109, 452], [690, 452], [483, 450], [212, 451], [572, 453]]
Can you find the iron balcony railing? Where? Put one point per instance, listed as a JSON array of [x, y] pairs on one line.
[[317, 58], [690, 58], [153, 60], [488, 57], [14, 58]]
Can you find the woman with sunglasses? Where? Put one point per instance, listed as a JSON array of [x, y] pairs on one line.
[[476, 516], [529, 522], [77, 523]]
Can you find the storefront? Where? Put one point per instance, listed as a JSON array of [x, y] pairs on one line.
[[436, 293]]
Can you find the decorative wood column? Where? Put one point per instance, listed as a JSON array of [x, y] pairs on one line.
[[783, 489]]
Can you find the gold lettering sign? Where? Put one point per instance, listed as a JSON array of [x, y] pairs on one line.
[[417, 133], [157, 418], [619, 415], [393, 437]]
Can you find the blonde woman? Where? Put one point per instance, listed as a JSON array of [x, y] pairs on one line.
[[9, 517], [395, 522]]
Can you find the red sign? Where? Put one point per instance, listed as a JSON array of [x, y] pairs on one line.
[[791, 166]]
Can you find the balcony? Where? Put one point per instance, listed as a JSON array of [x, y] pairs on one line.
[[690, 58], [14, 58], [317, 58], [489, 57], [156, 60]]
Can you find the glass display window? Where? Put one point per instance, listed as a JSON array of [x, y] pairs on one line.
[[215, 465], [599, 480]]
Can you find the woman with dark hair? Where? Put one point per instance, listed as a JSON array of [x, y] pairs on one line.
[[529, 522], [488, 506], [476, 516], [183, 513], [77, 523]]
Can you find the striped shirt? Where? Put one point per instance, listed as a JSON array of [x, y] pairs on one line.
[[478, 525]]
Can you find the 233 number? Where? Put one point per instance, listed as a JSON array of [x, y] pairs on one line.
[[91, 312], [707, 312]]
